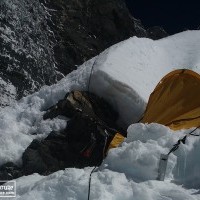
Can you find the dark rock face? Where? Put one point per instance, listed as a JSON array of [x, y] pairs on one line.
[[43, 40], [84, 28], [26, 56], [9, 171], [156, 33]]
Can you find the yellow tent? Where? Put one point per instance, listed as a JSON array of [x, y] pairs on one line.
[[175, 102]]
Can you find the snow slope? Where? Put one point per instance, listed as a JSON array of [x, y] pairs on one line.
[[128, 172], [125, 74]]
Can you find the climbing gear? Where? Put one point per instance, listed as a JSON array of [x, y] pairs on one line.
[[176, 146], [92, 68], [90, 182], [88, 86], [164, 157], [96, 167]]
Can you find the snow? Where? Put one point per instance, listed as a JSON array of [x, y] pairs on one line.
[[7, 92], [125, 75], [128, 172], [130, 70]]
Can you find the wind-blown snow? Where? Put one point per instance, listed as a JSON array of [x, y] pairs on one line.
[[125, 75]]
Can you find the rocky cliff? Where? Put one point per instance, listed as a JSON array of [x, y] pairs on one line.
[[43, 40]]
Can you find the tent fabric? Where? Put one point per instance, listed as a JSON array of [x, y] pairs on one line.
[[118, 139], [175, 102]]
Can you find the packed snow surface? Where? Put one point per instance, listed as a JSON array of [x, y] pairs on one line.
[[129, 171], [125, 74]]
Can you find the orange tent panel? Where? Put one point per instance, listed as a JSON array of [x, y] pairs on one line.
[[175, 102]]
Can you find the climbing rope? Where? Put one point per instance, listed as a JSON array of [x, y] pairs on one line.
[[91, 72], [90, 182], [96, 167], [88, 85], [176, 146]]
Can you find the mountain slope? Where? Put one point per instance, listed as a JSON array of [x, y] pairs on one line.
[[27, 42], [43, 40], [125, 74]]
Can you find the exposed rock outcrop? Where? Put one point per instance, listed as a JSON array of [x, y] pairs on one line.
[[156, 32], [43, 40]]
